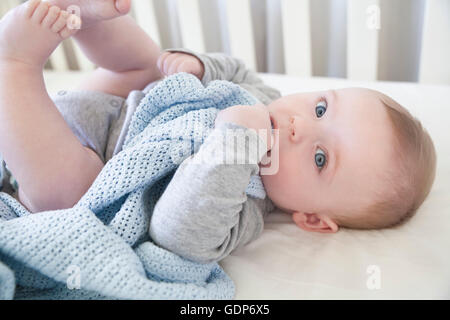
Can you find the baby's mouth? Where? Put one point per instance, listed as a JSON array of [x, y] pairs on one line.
[[273, 122], [265, 161], [267, 157]]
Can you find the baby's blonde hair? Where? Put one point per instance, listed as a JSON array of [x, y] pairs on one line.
[[409, 180]]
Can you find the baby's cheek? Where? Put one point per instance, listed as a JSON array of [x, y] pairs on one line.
[[283, 180], [299, 175]]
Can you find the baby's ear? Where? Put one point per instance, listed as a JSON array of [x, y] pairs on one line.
[[314, 222]]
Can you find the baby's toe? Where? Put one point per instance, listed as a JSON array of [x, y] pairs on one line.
[[40, 12], [31, 6], [74, 23], [70, 28], [123, 6], [51, 17], [61, 22]]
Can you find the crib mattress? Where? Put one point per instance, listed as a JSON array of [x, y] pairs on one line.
[[409, 262]]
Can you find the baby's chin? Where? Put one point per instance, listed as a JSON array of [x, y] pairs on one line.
[[266, 160], [269, 182]]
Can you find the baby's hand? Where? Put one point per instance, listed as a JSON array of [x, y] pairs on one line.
[[253, 117], [174, 62]]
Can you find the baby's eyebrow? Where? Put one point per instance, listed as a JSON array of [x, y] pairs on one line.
[[335, 151], [336, 163], [334, 95]]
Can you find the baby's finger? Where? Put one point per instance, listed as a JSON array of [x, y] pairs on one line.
[[161, 60], [174, 65], [191, 66], [168, 63], [185, 66]]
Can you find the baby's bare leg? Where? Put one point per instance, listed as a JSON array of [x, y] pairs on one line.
[[51, 166], [125, 54]]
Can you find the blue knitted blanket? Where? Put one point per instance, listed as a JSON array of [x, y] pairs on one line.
[[100, 248]]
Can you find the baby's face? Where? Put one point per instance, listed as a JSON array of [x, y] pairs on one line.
[[333, 146]]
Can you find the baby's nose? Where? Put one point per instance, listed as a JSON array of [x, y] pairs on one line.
[[297, 128]]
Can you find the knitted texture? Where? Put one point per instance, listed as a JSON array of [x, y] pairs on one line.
[[100, 248], [2, 172]]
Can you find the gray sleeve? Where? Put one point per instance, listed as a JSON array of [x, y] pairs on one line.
[[220, 66], [204, 213]]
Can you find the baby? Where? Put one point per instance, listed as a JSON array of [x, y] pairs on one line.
[[347, 158]]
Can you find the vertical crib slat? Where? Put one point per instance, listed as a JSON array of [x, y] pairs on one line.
[[191, 25], [434, 65], [297, 37], [144, 13], [211, 23], [240, 31], [362, 39], [84, 64], [6, 5], [9, 4], [3, 8], [58, 59]]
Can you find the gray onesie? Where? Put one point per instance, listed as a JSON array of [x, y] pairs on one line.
[[204, 213]]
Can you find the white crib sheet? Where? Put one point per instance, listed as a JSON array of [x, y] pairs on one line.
[[413, 261]]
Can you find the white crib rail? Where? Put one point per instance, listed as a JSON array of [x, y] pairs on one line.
[[144, 13], [297, 37], [435, 66], [239, 21], [283, 40], [362, 39], [189, 15]]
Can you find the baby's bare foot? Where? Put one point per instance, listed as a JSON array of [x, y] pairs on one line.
[[31, 32], [92, 11]]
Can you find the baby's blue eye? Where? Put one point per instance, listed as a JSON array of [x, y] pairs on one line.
[[320, 158], [321, 108]]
